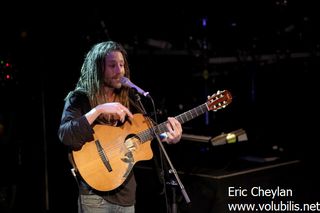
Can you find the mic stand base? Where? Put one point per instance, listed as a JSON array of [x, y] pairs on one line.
[[173, 184]]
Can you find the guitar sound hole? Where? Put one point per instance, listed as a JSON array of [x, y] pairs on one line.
[[131, 143]]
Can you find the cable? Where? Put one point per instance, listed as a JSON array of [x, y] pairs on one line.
[[74, 174]]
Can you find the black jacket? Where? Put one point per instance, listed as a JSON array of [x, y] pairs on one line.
[[75, 131]]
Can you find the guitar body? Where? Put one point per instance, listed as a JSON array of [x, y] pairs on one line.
[[121, 150], [106, 162]]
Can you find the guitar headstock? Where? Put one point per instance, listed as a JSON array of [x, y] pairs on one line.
[[219, 100]]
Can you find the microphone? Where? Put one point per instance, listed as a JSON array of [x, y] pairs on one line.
[[126, 82]]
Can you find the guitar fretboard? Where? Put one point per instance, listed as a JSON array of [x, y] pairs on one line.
[[148, 134]]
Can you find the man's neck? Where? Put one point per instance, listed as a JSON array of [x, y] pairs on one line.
[[109, 93]]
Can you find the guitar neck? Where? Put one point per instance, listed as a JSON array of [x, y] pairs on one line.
[[182, 118]]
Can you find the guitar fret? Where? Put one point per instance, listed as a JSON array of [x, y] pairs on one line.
[[162, 127], [190, 114], [145, 135], [148, 134]]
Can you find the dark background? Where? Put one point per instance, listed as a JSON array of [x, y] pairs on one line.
[[266, 53]]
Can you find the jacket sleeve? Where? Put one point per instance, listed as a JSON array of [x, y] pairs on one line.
[[74, 129]]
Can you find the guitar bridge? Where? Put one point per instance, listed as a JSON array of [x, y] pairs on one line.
[[103, 156]]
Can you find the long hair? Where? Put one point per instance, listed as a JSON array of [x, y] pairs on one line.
[[91, 80]]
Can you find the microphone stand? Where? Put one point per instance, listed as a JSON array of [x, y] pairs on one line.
[[172, 170]]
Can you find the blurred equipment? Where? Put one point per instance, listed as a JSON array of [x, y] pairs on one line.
[[196, 138], [224, 138], [231, 137]]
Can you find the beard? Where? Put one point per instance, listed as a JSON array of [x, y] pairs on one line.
[[113, 83]]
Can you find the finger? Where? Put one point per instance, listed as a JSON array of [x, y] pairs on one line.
[[124, 110], [122, 119], [123, 113], [127, 113], [174, 130], [174, 125], [169, 126], [171, 139]]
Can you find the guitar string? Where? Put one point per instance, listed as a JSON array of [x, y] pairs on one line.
[[145, 133]]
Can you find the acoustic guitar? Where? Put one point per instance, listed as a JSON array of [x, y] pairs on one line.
[[106, 162]]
